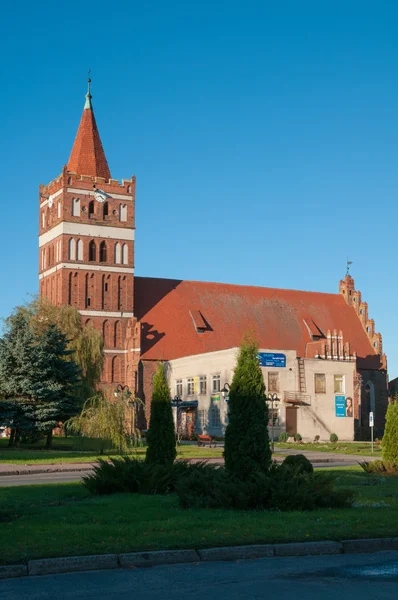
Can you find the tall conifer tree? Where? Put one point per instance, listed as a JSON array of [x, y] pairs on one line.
[[247, 447], [161, 435]]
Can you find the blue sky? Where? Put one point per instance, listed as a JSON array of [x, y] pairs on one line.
[[263, 136]]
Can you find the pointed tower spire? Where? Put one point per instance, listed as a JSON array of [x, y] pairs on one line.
[[88, 156]]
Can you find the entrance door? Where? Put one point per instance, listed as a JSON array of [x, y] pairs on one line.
[[291, 421]]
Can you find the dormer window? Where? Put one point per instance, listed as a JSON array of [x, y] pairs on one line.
[[199, 322]]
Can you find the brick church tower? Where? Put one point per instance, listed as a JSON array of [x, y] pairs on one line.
[[86, 242]]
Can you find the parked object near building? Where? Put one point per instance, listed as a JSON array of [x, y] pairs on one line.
[[319, 353]]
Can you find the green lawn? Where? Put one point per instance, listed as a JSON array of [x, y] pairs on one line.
[[359, 448], [60, 520], [68, 450]]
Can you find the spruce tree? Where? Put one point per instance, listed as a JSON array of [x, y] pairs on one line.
[[17, 350], [247, 447], [161, 435], [56, 381], [390, 437]]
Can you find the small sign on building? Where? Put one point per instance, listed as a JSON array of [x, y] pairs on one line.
[[340, 406], [371, 420], [271, 359]]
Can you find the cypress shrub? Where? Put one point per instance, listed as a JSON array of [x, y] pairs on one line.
[[247, 447], [390, 438], [161, 436]]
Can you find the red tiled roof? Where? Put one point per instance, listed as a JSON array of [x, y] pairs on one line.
[[274, 317], [88, 156]]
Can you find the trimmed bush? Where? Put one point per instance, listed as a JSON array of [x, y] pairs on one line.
[[297, 437], [161, 434], [333, 438], [247, 447], [379, 466], [139, 477], [389, 449], [317, 438], [298, 463], [283, 437], [279, 489]]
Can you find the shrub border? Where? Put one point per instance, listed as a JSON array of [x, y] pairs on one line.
[[67, 564]]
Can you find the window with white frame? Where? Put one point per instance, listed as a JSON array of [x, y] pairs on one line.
[[216, 383], [273, 381], [59, 210], [339, 384], [215, 416], [123, 212], [179, 387], [190, 386], [125, 254], [79, 250], [75, 207], [202, 418], [320, 383], [202, 384], [71, 249]]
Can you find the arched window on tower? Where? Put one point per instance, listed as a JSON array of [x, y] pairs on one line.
[[118, 334], [102, 255], [115, 369], [91, 209], [79, 250], [71, 249], [123, 212], [125, 254], [75, 207], [70, 288], [105, 333], [117, 253], [106, 210], [92, 251]]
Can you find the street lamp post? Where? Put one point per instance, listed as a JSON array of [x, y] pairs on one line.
[[177, 400], [273, 398], [225, 391]]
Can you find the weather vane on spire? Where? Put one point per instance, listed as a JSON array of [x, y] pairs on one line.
[[88, 95], [349, 262]]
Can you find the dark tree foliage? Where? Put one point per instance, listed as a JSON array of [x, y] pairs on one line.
[[39, 381], [247, 449], [56, 381], [161, 435]]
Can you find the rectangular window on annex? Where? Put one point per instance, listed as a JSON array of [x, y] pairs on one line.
[[339, 384], [190, 386], [273, 381], [179, 387], [216, 381], [320, 383], [202, 384]]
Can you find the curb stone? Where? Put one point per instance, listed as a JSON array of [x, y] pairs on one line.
[[164, 557], [371, 545], [47, 566], [308, 548], [13, 571], [237, 552], [159, 557]]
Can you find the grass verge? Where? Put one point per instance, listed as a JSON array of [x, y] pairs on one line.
[[65, 451], [64, 520], [358, 448]]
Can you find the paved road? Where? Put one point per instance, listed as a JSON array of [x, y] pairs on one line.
[[64, 477], [346, 577]]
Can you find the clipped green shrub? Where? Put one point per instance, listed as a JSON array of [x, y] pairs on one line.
[[298, 463], [373, 466], [247, 448], [139, 477], [317, 438], [161, 435], [298, 437], [333, 438], [283, 437], [279, 489], [389, 449]]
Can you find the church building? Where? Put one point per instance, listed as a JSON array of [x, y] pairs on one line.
[[320, 354]]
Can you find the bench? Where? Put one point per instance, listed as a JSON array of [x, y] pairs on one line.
[[206, 439]]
